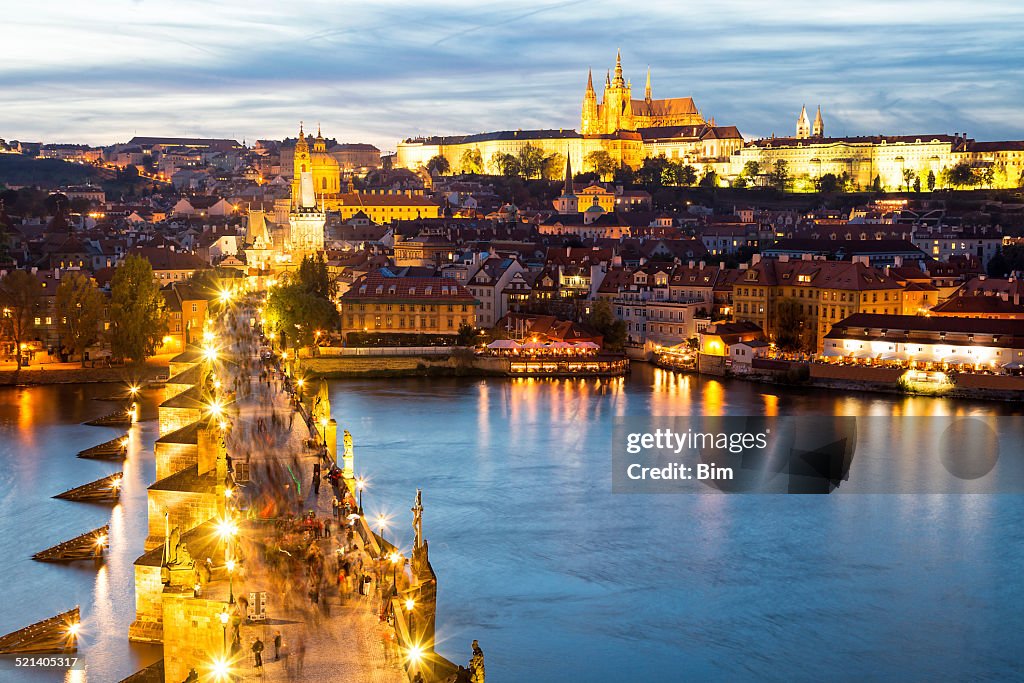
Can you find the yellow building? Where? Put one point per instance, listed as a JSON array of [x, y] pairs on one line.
[[824, 293], [406, 305]]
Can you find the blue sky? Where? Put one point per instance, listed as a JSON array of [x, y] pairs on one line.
[[100, 72]]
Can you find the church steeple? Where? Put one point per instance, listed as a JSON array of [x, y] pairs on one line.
[[819, 125], [568, 189], [588, 117], [618, 69], [319, 145], [301, 145], [647, 88], [590, 82], [803, 124]]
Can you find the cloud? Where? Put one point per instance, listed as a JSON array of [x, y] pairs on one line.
[[101, 73]]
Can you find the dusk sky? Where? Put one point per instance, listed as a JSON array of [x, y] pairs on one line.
[[102, 72]]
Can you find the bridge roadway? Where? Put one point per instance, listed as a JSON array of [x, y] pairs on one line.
[[344, 642]]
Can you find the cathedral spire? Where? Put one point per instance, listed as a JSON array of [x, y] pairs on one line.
[[301, 144], [803, 124], [590, 81], [607, 79], [647, 88], [819, 125], [618, 68], [568, 175]]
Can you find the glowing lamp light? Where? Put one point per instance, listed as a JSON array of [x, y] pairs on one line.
[[360, 483], [210, 353], [409, 605], [415, 654], [133, 389], [284, 355], [223, 617], [394, 557], [215, 408], [221, 669], [227, 528], [116, 483], [300, 382], [208, 336], [228, 493], [73, 629], [101, 541], [323, 421], [230, 564]]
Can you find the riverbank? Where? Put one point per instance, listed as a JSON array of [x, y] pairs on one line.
[[979, 387], [458, 365], [152, 370]]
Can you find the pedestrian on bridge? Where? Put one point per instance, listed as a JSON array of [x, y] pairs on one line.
[[257, 650]]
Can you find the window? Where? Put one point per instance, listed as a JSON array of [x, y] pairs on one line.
[[195, 308]]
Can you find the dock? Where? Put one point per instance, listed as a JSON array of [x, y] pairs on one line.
[[56, 635]]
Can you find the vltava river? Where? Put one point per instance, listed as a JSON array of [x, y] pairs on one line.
[[558, 578], [561, 580]]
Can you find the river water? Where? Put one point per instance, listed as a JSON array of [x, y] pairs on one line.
[[558, 578]]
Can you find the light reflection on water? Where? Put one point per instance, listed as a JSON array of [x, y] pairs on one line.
[[561, 580], [40, 434]]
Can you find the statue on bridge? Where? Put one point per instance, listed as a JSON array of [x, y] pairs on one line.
[[417, 519], [178, 566], [476, 664]]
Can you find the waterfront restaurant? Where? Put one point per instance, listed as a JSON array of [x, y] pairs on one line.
[[965, 344]]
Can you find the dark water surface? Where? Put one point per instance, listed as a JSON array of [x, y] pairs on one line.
[[559, 579]]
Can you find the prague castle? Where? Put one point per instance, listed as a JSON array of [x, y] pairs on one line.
[[630, 130]]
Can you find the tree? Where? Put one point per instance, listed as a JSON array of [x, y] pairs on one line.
[[19, 298], [554, 166], [876, 184], [828, 183], [779, 176], [931, 180], [789, 325], [603, 320], [652, 170], [298, 313], [467, 335], [998, 265], [687, 176], [138, 319], [600, 162], [624, 175], [79, 312], [304, 303], [472, 161], [315, 279], [438, 164], [710, 178], [505, 164], [908, 178], [917, 184], [751, 169], [962, 175], [531, 161]]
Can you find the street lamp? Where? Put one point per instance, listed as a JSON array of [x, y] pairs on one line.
[[394, 557], [300, 383], [360, 485], [382, 522], [323, 425], [224, 624], [230, 564]]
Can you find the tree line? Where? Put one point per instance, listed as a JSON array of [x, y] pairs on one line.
[[135, 311]]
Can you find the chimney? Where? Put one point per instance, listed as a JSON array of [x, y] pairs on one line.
[[702, 264], [783, 258], [806, 257], [721, 265], [898, 261], [1005, 296], [690, 264]]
